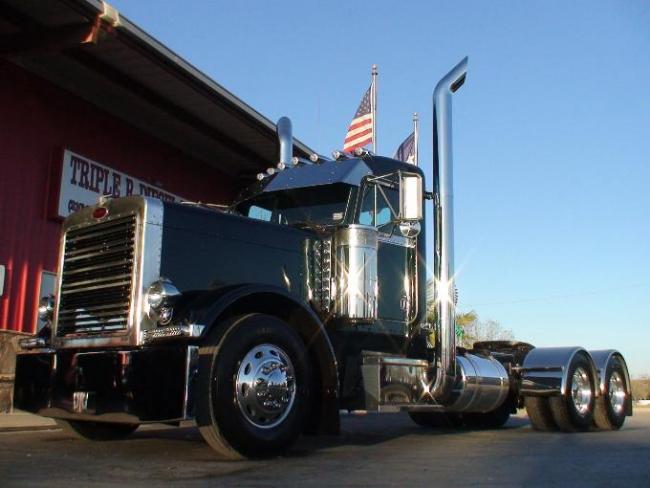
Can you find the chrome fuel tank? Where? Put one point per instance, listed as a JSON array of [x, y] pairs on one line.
[[482, 384], [356, 286]]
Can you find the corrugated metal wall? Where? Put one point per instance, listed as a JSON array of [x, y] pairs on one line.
[[38, 120]]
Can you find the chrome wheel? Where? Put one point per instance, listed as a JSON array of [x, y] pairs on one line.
[[574, 410], [581, 391], [616, 393], [612, 406], [265, 386]]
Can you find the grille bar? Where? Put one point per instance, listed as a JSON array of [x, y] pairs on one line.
[[96, 286], [96, 283], [95, 309], [96, 267], [101, 248], [112, 226]]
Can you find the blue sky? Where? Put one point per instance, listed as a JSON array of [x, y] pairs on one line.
[[551, 134]]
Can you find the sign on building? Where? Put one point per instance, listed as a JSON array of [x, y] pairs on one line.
[[83, 181]]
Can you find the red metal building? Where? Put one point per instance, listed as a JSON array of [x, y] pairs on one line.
[[90, 104]]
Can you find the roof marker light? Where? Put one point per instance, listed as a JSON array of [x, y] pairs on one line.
[[340, 155]]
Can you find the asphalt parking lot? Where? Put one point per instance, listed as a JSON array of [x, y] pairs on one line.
[[373, 450]]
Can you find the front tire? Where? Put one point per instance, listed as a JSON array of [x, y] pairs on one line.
[[96, 431], [253, 387]]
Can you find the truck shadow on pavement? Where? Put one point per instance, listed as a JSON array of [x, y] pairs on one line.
[[356, 430], [371, 449]]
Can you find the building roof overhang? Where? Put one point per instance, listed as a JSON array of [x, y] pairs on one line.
[[87, 48]]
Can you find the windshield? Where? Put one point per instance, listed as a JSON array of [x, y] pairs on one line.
[[320, 205]]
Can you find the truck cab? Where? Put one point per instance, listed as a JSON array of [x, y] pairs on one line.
[[360, 195]]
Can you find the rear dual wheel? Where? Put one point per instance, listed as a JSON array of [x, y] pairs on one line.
[[573, 411], [610, 405], [539, 414]]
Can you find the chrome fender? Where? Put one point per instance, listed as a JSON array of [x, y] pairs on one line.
[[545, 370]]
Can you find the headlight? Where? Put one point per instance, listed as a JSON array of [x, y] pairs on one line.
[[46, 308], [161, 297]]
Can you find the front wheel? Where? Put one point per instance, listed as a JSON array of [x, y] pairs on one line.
[[253, 387], [97, 431]]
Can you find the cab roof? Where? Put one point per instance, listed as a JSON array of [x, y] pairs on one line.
[[348, 171]]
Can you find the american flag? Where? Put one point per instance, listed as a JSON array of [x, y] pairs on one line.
[[360, 130]]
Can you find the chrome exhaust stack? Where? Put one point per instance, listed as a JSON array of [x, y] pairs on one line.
[[443, 259], [285, 138]]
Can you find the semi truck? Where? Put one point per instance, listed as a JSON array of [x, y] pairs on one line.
[[306, 297]]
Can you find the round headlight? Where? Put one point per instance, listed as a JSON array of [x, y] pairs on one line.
[[161, 297], [162, 293], [46, 308], [155, 296]]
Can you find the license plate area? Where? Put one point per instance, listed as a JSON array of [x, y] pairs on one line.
[[83, 402]]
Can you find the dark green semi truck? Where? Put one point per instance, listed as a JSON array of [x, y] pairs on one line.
[[265, 319]]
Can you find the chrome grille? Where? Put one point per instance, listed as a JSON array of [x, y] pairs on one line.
[[95, 294]]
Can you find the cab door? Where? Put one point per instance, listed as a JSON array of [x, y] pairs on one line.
[[395, 255]]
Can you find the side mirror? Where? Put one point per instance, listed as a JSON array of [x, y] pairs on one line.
[[410, 197]]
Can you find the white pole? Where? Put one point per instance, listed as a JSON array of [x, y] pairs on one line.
[[373, 102], [415, 136]]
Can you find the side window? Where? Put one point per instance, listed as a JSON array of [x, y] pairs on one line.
[[367, 214], [259, 213], [379, 205]]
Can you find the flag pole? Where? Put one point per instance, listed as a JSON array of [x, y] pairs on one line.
[[415, 136], [373, 101]]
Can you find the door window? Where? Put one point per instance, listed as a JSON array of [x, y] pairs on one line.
[[379, 206]]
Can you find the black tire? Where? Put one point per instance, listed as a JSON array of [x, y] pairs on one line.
[[437, 420], [606, 417], [539, 413], [488, 420], [228, 425], [97, 431], [565, 412]]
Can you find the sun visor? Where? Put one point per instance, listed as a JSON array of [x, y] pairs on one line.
[[350, 172]]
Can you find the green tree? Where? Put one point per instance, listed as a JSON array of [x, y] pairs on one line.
[[641, 388], [469, 327]]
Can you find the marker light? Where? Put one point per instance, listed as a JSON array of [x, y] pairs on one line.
[[100, 213]]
